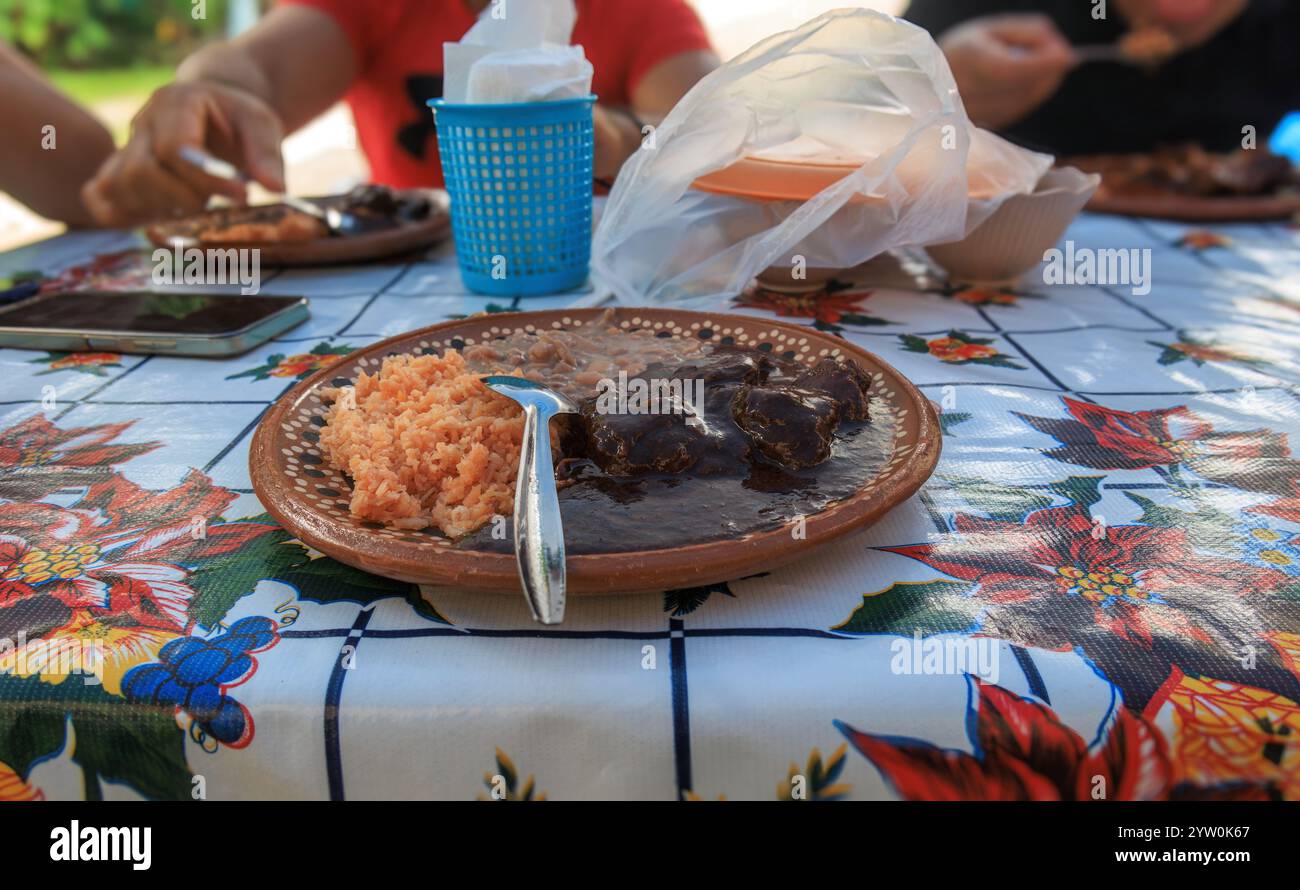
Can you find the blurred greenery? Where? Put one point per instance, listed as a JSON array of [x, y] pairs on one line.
[[91, 87], [83, 34]]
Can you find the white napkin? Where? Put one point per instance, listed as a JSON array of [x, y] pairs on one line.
[[518, 51]]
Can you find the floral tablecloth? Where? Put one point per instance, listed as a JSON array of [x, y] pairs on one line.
[[1097, 595]]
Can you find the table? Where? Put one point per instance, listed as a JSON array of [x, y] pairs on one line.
[[1097, 595]]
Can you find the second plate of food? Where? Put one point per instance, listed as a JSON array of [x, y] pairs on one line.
[[392, 221], [1190, 184], [709, 447]]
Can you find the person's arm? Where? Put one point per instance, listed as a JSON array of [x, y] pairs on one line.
[[618, 133], [665, 51], [235, 100], [45, 168]]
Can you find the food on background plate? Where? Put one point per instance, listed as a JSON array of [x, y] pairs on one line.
[[1189, 170], [276, 223], [753, 439], [377, 207], [1148, 45]]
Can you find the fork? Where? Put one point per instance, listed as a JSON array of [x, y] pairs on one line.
[[336, 221]]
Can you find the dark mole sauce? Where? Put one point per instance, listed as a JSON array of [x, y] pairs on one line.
[[607, 514]]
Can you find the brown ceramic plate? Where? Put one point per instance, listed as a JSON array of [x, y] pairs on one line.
[[311, 500], [1191, 209], [405, 237]]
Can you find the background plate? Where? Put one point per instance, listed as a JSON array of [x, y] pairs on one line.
[[408, 236], [1188, 209]]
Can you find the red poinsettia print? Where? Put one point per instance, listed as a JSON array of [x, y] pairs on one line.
[[36, 442], [1287, 508], [37, 457], [829, 308], [108, 578], [103, 586], [119, 553], [1136, 599], [1022, 751], [1128, 574], [1109, 439], [167, 520]]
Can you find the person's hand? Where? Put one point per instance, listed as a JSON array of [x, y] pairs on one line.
[[1006, 65], [148, 179], [615, 137]]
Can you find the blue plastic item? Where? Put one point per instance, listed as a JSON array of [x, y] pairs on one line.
[[1286, 138], [520, 177]]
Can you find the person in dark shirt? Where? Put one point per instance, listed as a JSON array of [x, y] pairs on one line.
[[1015, 62]]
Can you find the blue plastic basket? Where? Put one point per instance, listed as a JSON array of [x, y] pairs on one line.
[[520, 177]]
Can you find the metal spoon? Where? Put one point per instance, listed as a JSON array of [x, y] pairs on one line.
[[1101, 52], [539, 533], [338, 222], [1120, 53]]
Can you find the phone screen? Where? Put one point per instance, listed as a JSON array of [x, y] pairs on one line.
[[153, 313]]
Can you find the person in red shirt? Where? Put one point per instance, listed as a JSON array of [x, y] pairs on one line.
[[238, 99]]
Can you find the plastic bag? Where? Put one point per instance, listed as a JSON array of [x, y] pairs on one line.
[[851, 84]]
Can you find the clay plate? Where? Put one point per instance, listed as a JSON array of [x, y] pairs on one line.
[[311, 500], [406, 237], [1192, 209]]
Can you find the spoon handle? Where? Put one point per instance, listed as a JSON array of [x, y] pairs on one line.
[[211, 165], [539, 535], [1100, 52]]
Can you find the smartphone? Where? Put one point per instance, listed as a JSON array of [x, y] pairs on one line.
[[179, 323]]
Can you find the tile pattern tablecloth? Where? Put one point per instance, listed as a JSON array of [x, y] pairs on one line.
[[1098, 594]]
